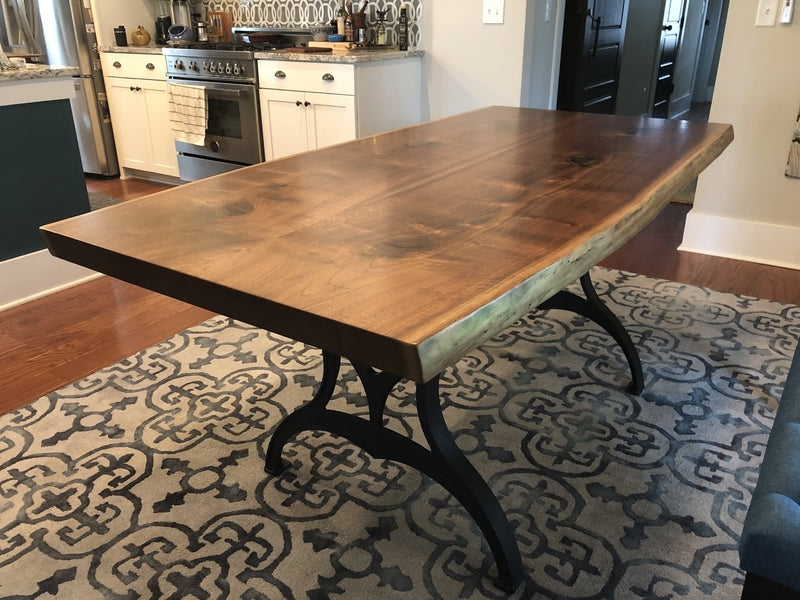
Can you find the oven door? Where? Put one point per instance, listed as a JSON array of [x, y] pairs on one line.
[[233, 130]]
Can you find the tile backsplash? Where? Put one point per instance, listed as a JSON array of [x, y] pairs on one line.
[[304, 13]]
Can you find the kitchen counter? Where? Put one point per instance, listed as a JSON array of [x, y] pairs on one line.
[[36, 83], [149, 49], [38, 126], [351, 57], [34, 71]]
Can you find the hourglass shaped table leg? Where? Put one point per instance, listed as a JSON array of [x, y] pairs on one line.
[[443, 462], [593, 308]]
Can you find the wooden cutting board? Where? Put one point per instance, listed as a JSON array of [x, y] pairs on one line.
[[307, 50]]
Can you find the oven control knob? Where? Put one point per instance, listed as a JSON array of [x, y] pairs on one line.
[[219, 68], [194, 66], [228, 69], [212, 68], [236, 69], [205, 66], [179, 65], [214, 146]]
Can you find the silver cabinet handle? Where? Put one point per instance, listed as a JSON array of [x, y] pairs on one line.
[[116, 64], [149, 66], [280, 74], [327, 77]]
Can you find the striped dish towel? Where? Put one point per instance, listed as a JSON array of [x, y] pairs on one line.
[[188, 112]]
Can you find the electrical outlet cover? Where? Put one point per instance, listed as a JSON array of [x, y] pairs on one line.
[[767, 14], [493, 11]]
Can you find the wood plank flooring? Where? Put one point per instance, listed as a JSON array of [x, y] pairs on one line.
[[48, 343]]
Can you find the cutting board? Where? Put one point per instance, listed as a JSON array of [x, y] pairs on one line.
[[307, 50]]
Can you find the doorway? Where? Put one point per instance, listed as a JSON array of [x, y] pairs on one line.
[[591, 51], [666, 59]]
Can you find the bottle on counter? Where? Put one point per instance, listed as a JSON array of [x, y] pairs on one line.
[[403, 33], [341, 15], [348, 23], [380, 28], [380, 34], [120, 36]]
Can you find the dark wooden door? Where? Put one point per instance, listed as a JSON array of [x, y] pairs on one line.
[[591, 50], [670, 36]]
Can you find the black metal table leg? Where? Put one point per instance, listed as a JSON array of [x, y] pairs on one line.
[[305, 417], [593, 308], [444, 462]]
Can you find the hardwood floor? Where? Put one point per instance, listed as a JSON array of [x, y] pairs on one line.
[[48, 343]]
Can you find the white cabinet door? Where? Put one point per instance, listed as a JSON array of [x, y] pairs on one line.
[[330, 119], [162, 142], [283, 121], [128, 114], [140, 118]]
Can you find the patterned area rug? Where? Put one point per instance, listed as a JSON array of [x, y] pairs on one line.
[[98, 201], [146, 479]]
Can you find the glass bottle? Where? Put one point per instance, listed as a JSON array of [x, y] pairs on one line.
[[380, 28], [348, 23], [341, 16], [403, 34]]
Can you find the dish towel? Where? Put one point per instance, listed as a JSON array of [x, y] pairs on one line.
[[188, 112]]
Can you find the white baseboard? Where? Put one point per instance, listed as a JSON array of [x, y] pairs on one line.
[[31, 276], [764, 243]]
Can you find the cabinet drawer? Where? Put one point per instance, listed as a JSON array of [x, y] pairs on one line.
[[326, 78], [139, 66]]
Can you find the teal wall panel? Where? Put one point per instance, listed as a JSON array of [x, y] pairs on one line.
[[41, 176]]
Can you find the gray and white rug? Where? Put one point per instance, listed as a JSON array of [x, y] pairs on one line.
[[146, 479], [98, 201]]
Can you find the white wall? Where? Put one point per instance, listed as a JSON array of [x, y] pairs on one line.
[[468, 64], [109, 14], [745, 207]]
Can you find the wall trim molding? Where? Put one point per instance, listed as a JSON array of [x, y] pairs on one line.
[[752, 241], [38, 274]]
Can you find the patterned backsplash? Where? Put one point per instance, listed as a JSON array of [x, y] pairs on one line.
[[304, 13]]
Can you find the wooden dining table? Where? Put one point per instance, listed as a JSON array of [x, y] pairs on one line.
[[404, 251]]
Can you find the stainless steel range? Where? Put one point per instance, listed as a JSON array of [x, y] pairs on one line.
[[229, 75]]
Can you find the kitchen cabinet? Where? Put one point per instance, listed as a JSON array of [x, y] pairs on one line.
[[309, 105], [40, 163], [294, 122], [137, 98]]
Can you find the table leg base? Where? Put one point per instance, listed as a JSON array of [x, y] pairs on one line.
[[593, 308], [443, 462]]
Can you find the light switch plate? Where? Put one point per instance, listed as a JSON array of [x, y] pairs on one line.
[[493, 11], [767, 14]]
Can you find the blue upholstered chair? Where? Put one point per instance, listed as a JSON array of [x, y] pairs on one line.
[[769, 549]]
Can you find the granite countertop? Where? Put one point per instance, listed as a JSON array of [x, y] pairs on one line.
[[151, 48], [34, 71], [351, 57]]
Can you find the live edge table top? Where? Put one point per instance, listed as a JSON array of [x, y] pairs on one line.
[[407, 249]]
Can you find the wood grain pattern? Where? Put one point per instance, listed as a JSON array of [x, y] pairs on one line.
[[403, 250]]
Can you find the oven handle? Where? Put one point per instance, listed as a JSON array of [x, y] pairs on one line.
[[222, 92]]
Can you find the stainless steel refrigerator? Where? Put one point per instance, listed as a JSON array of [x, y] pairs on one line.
[[62, 33]]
